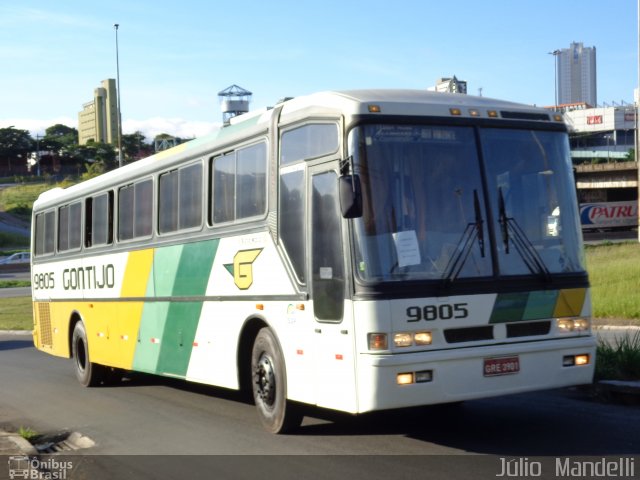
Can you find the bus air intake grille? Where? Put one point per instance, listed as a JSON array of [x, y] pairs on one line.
[[525, 116], [470, 334], [528, 329], [44, 320]]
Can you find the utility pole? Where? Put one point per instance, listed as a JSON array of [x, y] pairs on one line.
[[115, 26], [38, 154]]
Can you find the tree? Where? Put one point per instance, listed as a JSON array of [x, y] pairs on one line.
[[135, 147], [15, 145], [60, 138], [101, 154]]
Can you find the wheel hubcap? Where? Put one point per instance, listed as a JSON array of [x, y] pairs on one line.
[[265, 380]]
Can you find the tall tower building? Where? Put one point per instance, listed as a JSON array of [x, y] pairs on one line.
[[576, 81], [98, 120]]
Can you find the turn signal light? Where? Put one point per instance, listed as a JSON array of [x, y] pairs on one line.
[[378, 341]]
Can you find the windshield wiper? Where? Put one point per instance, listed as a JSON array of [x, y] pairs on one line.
[[509, 228], [502, 219], [479, 222], [472, 232]]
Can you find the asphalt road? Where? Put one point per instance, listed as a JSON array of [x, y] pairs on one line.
[[159, 419]]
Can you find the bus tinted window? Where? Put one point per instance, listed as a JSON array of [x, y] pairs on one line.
[[252, 181], [143, 209], [224, 188], [45, 233], [292, 219], [125, 213], [180, 199], [309, 141], [69, 227], [100, 210], [49, 230], [168, 202], [190, 209], [240, 184], [135, 210]]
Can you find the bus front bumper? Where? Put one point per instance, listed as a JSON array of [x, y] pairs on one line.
[[458, 374]]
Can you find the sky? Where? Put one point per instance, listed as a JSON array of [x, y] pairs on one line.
[[175, 57]]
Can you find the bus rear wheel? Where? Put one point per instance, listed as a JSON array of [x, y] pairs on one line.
[[276, 413], [88, 374]]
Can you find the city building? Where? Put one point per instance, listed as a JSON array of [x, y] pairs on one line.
[[602, 133], [98, 120], [602, 141], [576, 74]]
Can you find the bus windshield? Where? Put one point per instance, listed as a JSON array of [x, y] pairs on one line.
[[431, 208]]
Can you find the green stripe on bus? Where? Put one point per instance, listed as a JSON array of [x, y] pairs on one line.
[[509, 307], [166, 261], [521, 306], [194, 269], [177, 340], [152, 325], [540, 304], [167, 330]]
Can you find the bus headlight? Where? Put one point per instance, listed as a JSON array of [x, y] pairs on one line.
[[566, 325], [402, 340], [407, 339], [423, 338]]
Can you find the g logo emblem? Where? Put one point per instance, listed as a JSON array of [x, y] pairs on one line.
[[242, 267]]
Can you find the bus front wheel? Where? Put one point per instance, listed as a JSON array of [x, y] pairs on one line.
[[269, 380], [88, 374]]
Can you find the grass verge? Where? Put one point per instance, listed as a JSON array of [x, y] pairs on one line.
[[16, 313], [14, 283], [19, 199], [13, 240], [619, 360], [614, 272]]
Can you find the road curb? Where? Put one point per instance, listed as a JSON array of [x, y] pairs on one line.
[[12, 444], [618, 391]]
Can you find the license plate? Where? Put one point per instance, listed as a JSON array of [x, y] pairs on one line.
[[501, 366]]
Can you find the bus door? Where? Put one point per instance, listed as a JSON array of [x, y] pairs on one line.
[[333, 333]]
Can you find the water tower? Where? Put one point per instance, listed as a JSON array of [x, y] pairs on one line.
[[234, 100]]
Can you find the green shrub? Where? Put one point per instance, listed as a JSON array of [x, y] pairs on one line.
[[619, 360]]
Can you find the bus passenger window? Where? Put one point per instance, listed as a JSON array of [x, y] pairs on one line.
[[69, 227], [125, 213], [45, 233], [143, 209], [239, 184], [190, 208], [224, 188], [168, 202]]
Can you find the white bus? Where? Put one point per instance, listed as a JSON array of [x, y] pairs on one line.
[[358, 250]]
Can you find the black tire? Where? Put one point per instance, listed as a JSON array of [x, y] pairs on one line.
[[269, 379], [88, 374]]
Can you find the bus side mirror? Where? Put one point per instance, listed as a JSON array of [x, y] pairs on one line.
[[350, 196]]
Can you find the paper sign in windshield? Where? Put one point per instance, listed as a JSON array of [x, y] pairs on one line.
[[407, 248]]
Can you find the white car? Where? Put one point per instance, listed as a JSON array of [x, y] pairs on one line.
[[20, 257]]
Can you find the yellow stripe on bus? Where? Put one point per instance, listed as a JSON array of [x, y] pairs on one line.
[[134, 284], [136, 274], [570, 302]]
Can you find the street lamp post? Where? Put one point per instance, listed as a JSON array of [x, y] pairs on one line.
[[115, 26], [635, 107], [555, 54]]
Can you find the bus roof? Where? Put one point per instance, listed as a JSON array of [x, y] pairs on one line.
[[348, 103]]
